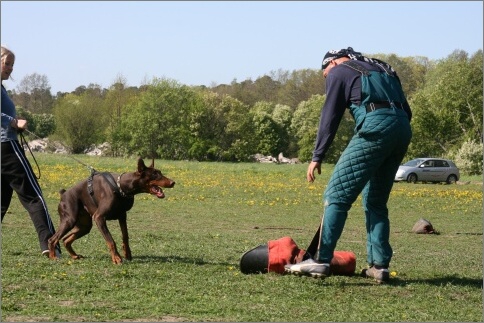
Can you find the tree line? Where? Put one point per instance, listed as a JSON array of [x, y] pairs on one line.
[[278, 112]]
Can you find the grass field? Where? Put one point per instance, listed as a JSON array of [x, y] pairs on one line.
[[186, 251]]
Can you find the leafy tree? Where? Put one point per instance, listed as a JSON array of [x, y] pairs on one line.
[[238, 142], [206, 128], [157, 124], [282, 115], [448, 109], [412, 76], [117, 98], [207, 125], [79, 90], [280, 87], [266, 88], [300, 85], [263, 107], [225, 127], [80, 121], [243, 91], [267, 136], [33, 94], [424, 140], [474, 97], [272, 126], [304, 125]]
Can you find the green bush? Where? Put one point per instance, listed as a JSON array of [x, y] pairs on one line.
[[469, 158], [44, 124]]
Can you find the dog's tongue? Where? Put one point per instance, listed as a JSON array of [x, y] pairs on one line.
[[155, 190]]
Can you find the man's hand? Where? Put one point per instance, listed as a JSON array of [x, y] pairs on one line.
[[310, 174]]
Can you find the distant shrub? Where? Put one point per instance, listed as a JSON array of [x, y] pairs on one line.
[[469, 158], [44, 124]]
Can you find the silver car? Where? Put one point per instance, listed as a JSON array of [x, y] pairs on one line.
[[428, 170]]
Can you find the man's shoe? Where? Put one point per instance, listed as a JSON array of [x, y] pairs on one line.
[[309, 267], [381, 275]]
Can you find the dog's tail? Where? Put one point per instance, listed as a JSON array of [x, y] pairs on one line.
[[62, 191]]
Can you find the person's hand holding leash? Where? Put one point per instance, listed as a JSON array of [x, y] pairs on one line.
[[310, 174], [20, 124]]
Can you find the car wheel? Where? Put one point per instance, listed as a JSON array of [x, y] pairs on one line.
[[412, 178], [451, 179]]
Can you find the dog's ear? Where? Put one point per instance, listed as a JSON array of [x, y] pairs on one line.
[[141, 165]]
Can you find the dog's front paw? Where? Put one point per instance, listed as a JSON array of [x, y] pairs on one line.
[[127, 252], [117, 260]]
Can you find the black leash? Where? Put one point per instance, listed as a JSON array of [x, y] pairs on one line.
[[91, 169], [313, 246], [107, 176], [23, 142]]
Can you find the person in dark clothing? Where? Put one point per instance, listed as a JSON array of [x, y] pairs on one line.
[[372, 91], [17, 174]]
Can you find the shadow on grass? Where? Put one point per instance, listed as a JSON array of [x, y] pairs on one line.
[[438, 281], [175, 259], [441, 281]]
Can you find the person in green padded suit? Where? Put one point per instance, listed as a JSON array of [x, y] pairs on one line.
[[372, 92]]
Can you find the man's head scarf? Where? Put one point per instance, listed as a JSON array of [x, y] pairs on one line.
[[351, 54]]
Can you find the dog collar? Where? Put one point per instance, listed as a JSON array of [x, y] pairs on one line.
[[119, 186]]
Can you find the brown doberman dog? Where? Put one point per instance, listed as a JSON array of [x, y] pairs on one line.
[[101, 198]]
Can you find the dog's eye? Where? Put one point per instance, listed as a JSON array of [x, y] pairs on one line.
[[156, 175]]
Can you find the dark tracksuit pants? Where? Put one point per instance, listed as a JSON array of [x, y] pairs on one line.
[[17, 175]]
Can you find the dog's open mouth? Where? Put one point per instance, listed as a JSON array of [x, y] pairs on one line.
[[156, 190]]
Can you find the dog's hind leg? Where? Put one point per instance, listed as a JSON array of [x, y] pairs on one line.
[[100, 220], [83, 226], [52, 242], [66, 224], [124, 231]]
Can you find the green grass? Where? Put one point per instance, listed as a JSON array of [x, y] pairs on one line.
[[186, 251]]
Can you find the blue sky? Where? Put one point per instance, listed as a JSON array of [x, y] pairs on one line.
[[214, 42]]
